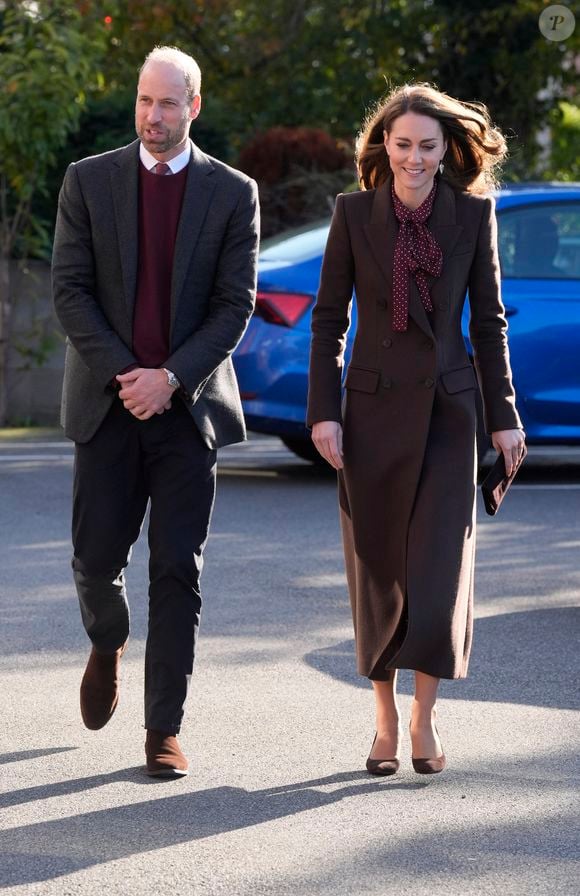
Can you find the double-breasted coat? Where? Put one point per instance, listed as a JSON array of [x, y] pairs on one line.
[[407, 489]]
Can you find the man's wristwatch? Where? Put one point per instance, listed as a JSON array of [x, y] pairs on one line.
[[172, 379]]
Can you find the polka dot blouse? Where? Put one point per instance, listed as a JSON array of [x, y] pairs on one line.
[[416, 254]]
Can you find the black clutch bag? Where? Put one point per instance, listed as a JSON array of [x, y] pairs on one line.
[[495, 485]]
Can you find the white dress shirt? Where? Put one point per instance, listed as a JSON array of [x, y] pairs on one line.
[[177, 164]]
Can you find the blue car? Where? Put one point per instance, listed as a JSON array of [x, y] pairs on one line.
[[539, 246]]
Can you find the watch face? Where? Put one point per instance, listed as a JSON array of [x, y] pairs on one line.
[[172, 379]]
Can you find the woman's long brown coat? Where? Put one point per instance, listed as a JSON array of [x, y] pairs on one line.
[[407, 490]]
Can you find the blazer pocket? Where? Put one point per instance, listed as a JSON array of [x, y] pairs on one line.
[[360, 379], [459, 380]]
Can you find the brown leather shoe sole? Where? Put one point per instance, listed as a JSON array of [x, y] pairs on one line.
[[100, 688]]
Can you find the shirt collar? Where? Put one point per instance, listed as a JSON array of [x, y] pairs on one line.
[[177, 164]]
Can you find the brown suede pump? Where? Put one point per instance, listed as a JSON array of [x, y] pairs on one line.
[[381, 766], [429, 766]]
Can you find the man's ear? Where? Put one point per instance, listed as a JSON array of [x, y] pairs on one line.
[[195, 107]]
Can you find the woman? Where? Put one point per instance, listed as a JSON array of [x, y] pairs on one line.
[[419, 234]]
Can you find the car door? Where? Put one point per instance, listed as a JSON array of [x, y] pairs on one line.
[[539, 246]]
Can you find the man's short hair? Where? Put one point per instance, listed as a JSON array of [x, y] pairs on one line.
[[187, 65]]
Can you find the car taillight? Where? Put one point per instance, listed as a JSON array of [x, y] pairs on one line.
[[284, 308]]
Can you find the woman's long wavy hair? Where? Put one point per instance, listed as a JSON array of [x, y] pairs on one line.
[[475, 148]]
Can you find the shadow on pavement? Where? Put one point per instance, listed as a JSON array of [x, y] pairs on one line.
[[21, 755], [524, 658], [75, 785], [455, 859], [46, 850]]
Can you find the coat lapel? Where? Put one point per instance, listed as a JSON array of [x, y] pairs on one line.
[[125, 190], [199, 188], [443, 225], [381, 231]]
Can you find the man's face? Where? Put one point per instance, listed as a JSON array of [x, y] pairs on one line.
[[162, 111]]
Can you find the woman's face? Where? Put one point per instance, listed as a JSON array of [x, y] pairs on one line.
[[415, 147]]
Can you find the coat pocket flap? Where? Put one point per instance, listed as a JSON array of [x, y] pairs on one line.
[[362, 380], [458, 380]]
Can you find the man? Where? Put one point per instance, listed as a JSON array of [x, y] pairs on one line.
[[154, 279]]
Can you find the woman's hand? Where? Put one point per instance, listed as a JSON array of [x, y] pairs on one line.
[[511, 443], [327, 436]]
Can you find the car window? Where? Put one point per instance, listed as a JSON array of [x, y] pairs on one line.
[[540, 241], [296, 245]]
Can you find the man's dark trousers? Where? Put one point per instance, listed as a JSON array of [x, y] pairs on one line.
[[127, 463]]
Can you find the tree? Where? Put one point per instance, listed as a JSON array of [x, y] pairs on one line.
[[282, 63], [299, 172], [564, 161], [494, 52], [319, 63], [48, 56]]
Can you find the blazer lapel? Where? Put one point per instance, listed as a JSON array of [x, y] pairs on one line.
[[199, 188], [125, 190]]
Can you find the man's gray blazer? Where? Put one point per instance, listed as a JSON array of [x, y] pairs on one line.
[[212, 297]]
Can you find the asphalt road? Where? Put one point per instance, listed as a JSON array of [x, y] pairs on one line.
[[278, 725]]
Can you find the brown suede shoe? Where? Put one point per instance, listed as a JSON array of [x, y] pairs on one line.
[[430, 766], [381, 766], [100, 688], [164, 756]]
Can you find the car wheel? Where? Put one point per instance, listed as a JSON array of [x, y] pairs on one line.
[[303, 448]]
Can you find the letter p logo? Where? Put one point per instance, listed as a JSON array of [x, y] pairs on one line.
[[557, 22]]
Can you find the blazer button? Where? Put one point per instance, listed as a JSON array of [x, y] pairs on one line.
[[387, 383], [387, 343], [428, 383], [428, 343], [442, 306]]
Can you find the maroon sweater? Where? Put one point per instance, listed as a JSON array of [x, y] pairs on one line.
[[160, 200]]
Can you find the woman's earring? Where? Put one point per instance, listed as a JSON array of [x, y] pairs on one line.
[[441, 167]]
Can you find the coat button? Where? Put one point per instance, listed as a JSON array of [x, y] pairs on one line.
[[428, 383], [442, 306], [387, 343], [387, 383], [428, 343]]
